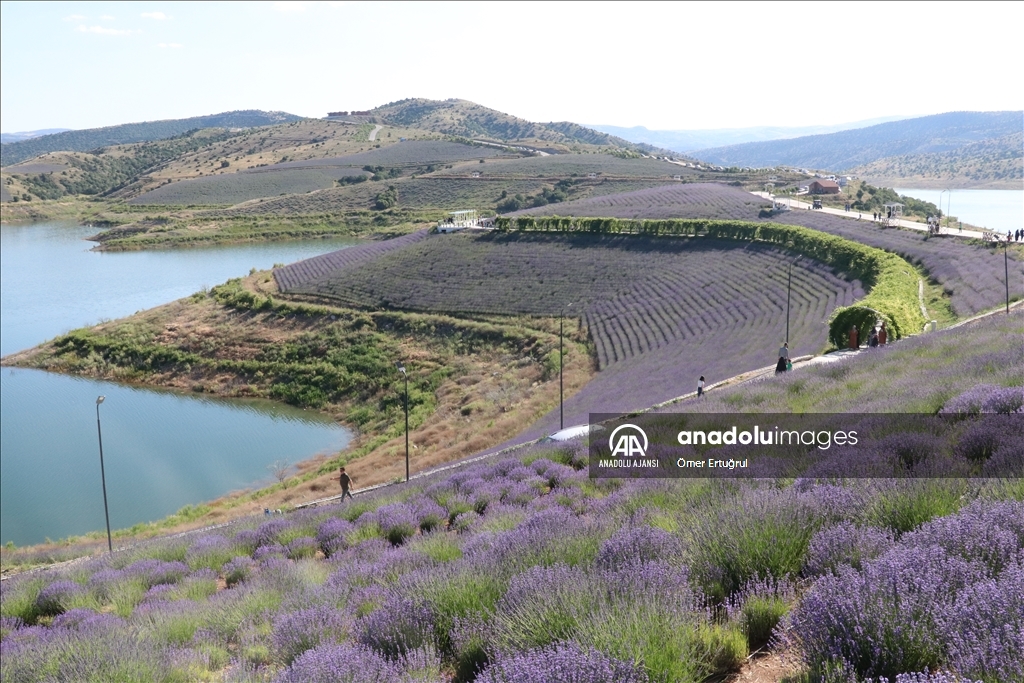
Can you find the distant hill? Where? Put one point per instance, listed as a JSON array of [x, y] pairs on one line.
[[93, 138], [29, 134], [468, 119], [689, 141], [989, 163], [853, 148]]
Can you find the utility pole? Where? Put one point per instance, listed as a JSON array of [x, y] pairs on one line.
[[401, 369], [103, 474], [789, 290]]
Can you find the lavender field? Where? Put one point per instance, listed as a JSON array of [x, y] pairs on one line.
[[574, 165], [410, 153], [521, 569], [659, 311], [233, 188], [971, 275]]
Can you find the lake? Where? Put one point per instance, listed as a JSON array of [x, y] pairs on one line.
[[162, 450], [998, 210]]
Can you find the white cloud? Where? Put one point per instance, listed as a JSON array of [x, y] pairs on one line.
[[74, 17], [107, 17], [171, 45], [104, 31], [159, 16]]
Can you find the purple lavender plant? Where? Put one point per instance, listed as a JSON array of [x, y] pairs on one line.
[[296, 632], [560, 663], [331, 535], [845, 544], [346, 663]]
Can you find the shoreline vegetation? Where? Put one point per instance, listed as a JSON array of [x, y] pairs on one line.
[[474, 383]]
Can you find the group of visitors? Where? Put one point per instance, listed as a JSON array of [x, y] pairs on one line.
[[784, 364], [877, 337], [1018, 235]]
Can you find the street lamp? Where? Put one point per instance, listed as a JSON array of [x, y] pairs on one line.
[[103, 475], [401, 369], [561, 364]]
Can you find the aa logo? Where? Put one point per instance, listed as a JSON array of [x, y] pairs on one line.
[[628, 441]]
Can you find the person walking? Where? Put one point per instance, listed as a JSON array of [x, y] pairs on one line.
[[883, 335], [873, 339], [700, 386], [346, 482], [784, 350]]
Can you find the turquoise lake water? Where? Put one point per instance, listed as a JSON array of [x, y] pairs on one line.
[[162, 450]]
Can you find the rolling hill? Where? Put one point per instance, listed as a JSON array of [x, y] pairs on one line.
[[990, 163], [471, 120], [93, 138], [849, 149]]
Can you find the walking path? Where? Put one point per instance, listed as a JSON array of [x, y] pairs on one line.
[[373, 133], [797, 205]]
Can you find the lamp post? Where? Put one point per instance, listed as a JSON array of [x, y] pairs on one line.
[[103, 474], [401, 369]]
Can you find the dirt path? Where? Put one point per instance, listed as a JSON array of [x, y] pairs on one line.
[[373, 133]]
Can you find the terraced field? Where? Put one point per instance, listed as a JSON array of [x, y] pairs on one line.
[[412, 152], [233, 188], [696, 200], [660, 312], [581, 165], [971, 274], [295, 274]]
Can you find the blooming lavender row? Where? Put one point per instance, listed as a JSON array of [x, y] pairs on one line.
[[295, 274], [971, 275]]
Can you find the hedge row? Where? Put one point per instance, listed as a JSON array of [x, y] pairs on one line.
[[891, 280]]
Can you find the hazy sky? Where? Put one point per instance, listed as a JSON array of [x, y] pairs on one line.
[[667, 66]]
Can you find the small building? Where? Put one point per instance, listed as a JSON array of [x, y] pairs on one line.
[[822, 186]]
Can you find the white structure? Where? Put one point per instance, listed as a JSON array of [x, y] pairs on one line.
[[459, 220], [892, 214]]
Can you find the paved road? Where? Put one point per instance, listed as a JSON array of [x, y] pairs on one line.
[[373, 133], [797, 205]]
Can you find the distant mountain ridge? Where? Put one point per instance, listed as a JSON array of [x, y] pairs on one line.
[[93, 138], [691, 141], [852, 148], [29, 134]]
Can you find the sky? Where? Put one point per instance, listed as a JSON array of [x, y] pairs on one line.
[[674, 66]]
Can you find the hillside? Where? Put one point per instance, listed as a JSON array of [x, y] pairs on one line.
[[852, 148], [94, 138], [989, 163], [471, 120]]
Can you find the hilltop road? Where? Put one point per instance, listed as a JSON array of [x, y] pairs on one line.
[[912, 225]]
